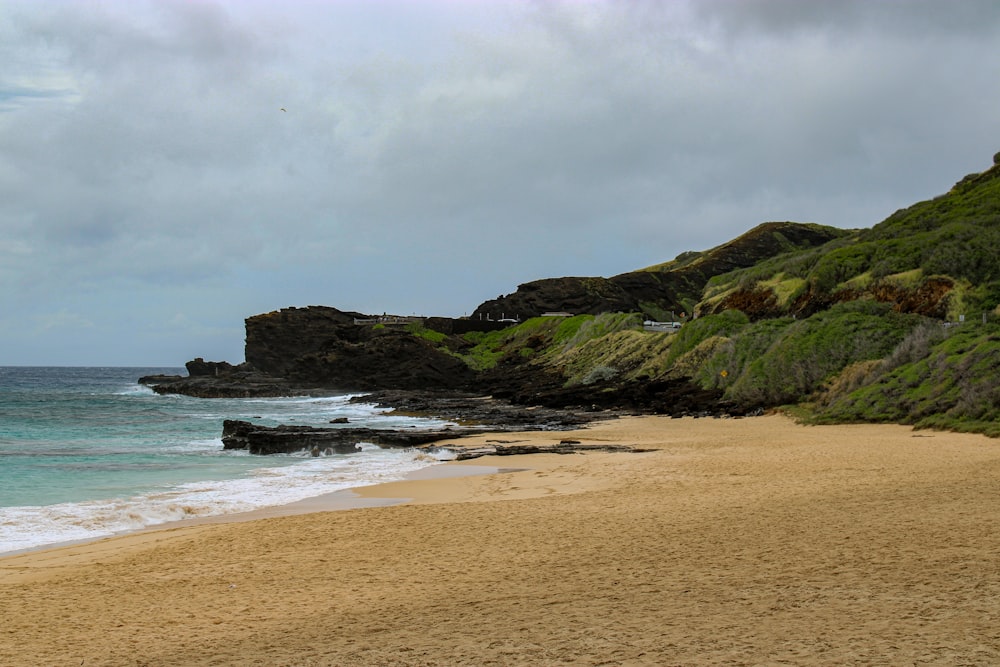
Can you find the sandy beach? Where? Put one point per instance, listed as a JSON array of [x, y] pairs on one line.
[[733, 542]]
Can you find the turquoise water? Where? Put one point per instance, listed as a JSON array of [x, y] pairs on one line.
[[86, 452]]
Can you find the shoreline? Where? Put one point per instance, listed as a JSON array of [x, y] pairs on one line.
[[353, 498], [744, 541], [342, 500]]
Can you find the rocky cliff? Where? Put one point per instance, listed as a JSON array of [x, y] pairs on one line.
[[276, 340], [323, 346]]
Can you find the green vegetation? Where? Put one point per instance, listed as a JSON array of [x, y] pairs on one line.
[[943, 379], [594, 327], [624, 351], [659, 313], [955, 235], [785, 289], [420, 331], [525, 340], [778, 361], [858, 353], [692, 334], [486, 349], [543, 339]]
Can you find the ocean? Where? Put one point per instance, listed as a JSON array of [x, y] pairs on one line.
[[88, 452]]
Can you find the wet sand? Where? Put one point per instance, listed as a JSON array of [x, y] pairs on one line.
[[735, 542]]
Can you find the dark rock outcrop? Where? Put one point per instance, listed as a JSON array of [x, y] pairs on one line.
[[497, 414], [531, 385], [323, 346], [257, 439], [921, 260], [382, 359], [275, 340], [500, 448], [316, 349], [199, 367], [241, 382]]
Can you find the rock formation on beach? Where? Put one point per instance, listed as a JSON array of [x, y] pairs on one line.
[[257, 439]]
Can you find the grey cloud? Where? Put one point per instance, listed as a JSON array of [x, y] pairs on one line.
[[580, 126], [913, 18], [432, 156]]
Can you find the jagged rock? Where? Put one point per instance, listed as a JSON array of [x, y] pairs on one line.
[[257, 439], [676, 397], [319, 349], [199, 367], [497, 413], [499, 449], [243, 383], [153, 380]]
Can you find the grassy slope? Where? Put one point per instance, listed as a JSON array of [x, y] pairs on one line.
[[956, 234], [951, 383], [856, 361]]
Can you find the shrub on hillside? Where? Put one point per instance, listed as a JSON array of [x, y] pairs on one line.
[[954, 385], [725, 324], [804, 355], [599, 374]]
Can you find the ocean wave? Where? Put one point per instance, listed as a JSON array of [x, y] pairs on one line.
[[23, 528]]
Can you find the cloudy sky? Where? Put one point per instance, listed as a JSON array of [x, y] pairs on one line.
[[168, 168]]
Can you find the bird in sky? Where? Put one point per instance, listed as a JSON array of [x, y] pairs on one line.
[[282, 108]]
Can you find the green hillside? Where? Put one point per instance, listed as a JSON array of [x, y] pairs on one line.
[[864, 328], [938, 258]]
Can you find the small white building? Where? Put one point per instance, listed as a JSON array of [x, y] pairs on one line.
[[650, 325]]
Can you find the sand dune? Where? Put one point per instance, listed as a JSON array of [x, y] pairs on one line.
[[735, 542]]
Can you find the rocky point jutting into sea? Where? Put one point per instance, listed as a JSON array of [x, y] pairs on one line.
[[416, 364], [896, 323]]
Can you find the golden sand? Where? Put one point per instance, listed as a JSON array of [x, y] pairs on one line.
[[736, 542]]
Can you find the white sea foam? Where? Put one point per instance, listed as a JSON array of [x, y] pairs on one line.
[[136, 390], [101, 435], [31, 527], [208, 446], [309, 410]]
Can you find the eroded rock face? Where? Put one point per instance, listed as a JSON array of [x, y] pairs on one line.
[[755, 303], [275, 340], [323, 346], [929, 299], [381, 360]]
